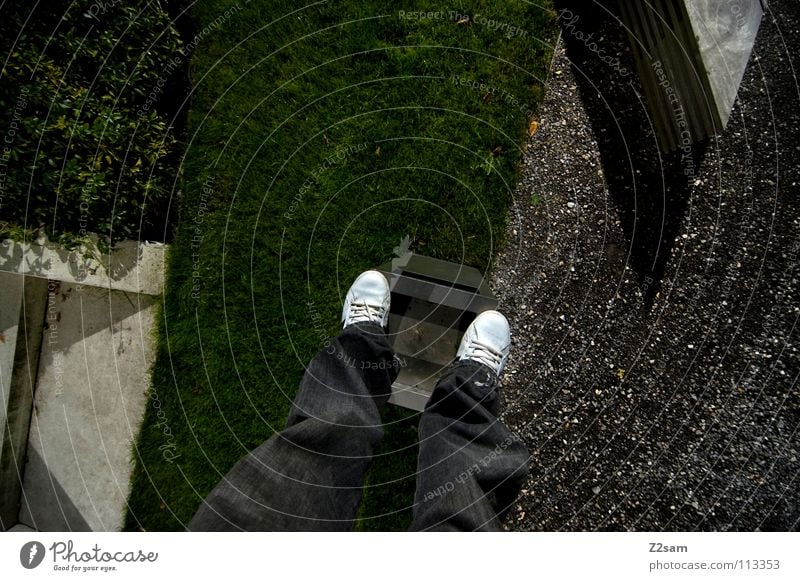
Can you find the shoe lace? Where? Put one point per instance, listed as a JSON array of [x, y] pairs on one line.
[[365, 312], [486, 354]]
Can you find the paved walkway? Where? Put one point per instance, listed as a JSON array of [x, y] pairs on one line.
[[90, 367]]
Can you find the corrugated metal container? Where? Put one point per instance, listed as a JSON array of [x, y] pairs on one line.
[[691, 56]]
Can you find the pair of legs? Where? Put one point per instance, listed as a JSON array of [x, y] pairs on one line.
[[309, 477]]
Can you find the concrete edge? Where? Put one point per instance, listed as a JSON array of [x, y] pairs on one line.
[[14, 442], [132, 266]]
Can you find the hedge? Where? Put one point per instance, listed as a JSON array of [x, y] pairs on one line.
[[84, 112]]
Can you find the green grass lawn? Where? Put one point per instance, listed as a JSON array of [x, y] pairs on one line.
[[319, 137]]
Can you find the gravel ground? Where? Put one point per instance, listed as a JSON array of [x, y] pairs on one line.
[[654, 372]]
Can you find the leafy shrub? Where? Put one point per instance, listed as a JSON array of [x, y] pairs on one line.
[[82, 105]]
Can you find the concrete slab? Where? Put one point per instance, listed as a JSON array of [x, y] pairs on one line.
[[22, 298], [11, 299], [133, 266], [725, 33], [90, 398]]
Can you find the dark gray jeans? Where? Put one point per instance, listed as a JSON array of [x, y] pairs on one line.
[[309, 476]]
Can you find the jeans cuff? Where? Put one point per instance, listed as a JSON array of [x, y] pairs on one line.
[[475, 369], [365, 328]]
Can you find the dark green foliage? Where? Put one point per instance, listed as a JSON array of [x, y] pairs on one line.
[[83, 91]]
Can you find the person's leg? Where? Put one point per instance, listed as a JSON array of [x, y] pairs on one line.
[[471, 467], [310, 475]]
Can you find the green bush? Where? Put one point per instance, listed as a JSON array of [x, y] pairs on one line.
[[82, 103]]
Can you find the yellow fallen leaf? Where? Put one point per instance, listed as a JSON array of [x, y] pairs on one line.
[[532, 128]]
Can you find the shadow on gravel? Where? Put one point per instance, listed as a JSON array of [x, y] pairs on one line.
[[651, 190]]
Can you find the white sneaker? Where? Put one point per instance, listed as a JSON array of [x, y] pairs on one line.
[[487, 341], [367, 301]]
